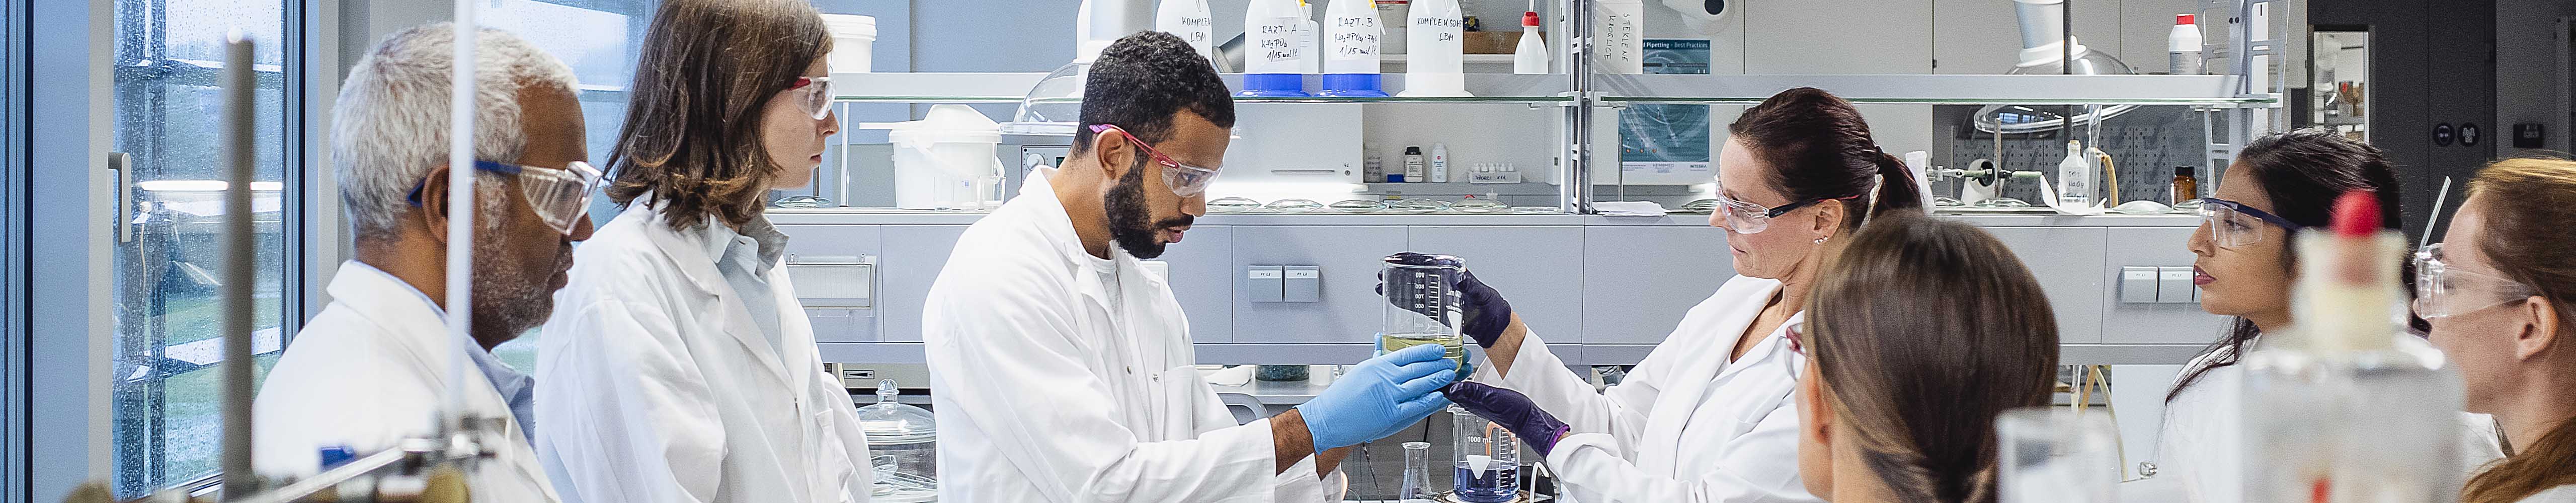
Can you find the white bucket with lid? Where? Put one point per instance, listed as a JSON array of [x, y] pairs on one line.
[[853, 38], [945, 160]]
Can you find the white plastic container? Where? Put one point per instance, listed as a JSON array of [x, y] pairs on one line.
[[1188, 19], [1436, 66], [2075, 177], [1531, 55], [1275, 60], [853, 37], [1439, 163], [2182, 47], [1351, 42], [945, 160]]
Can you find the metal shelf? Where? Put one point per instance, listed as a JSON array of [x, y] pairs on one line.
[[1933, 89]]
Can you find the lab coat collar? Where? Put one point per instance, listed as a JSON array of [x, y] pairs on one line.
[[1057, 226], [517, 390]]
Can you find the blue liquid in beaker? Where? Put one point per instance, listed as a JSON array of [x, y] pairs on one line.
[[1498, 485]]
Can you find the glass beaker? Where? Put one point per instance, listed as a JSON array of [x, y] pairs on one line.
[[1489, 459], [1421, 308], [2057, 455], [1417, 474]]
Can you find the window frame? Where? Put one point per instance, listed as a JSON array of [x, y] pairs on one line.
[[13, 252]]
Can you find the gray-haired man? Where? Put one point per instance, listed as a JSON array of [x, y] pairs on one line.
[[372, 367]]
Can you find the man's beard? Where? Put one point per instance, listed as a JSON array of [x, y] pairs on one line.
[[509, 297], [1128, 218]]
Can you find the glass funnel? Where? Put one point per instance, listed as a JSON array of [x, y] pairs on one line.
[[902, 440], [1489, 459], [1421, 307]]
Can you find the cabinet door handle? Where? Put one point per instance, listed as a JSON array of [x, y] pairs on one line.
[[123, 196]]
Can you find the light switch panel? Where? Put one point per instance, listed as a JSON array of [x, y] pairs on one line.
[[2138, 285], [1265, 283], [1305, 283], [2174, 285]]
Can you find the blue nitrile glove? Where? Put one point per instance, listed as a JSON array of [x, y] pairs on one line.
[[1379, 397], [1487, 314], [1512, 410]]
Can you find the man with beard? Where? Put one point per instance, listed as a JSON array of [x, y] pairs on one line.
[[372, 368], [1062, 371]]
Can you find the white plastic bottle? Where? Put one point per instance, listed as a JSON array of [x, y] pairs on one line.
[[1435, 66], [2074, 177], [1414, 171], [1274, 63], [1352, 37], [1439, 163], [1531, 55], [1188, 19], [2182, 47]]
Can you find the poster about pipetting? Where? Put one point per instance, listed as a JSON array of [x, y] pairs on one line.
[[1667, 143]]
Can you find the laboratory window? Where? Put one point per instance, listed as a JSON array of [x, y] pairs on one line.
[[167, 245]]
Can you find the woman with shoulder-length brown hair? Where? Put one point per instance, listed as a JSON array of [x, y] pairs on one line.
[[1921, 332], [678, 365], [2500, 291]]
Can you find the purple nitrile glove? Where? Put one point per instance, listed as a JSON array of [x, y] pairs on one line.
[[1486, 313], [1510, 409]]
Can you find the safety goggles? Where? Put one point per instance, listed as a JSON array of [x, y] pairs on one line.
[[1748, 218], [818, 95], [1185, 180], [559, 196], [2232, 224], [2443, 292]]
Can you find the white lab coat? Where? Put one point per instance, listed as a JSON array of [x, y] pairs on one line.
[[2200, 446], [654, 385], [370, 370], [1687, 425], [1044, 396]]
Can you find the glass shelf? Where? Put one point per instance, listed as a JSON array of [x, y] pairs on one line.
[[936, 88], [2210, 90]]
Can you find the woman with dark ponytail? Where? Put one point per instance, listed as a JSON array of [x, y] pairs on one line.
[[1921, 332], [2501, 296], [2280, 183], [1706, 417]]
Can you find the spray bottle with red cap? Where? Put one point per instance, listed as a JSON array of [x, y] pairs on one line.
[[1531, 55], [2346, 405]]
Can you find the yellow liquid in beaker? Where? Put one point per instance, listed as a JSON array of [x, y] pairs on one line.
[[1456, 347]]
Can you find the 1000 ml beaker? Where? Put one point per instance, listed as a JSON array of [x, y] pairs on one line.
[[1489, 459], [1421, 307]]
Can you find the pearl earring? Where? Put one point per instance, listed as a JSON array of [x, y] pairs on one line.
[[1820, 240]]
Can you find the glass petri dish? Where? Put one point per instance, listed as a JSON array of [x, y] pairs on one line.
[[1293, 205], [1233, 205], [1358, 206], [1479, 206]]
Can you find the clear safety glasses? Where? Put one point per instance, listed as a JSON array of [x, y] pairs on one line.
[[2232, 224], [559, 196], [1185, 180], [1749, 218], [818, 95], [2443, 292]]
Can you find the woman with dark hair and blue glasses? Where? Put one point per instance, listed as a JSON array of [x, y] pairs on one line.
[[2280, 184]]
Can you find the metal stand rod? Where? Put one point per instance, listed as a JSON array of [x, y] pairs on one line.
[[238, 265], [1574, 188]]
